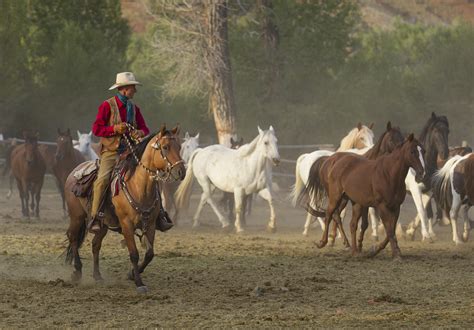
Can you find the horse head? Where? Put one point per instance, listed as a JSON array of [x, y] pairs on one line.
[[268, 144], [168, 144], [85, 140], [359, 137], [413, 153], [31, 146], [64, 144], [434, 137], [392, 139], [188, 146]]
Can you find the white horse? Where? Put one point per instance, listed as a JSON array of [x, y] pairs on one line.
[[449, 186], [358, 140], [190, 143], [243, 171], [84, 145], [168, 189]]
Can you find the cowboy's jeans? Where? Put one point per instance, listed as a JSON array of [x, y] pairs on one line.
[[108, 160]]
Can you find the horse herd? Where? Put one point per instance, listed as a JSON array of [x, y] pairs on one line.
[[373, 176]]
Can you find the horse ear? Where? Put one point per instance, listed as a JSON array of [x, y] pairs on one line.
[[359, 126], [68, 132], [411, 137], [232, 141], [371, 125], [175, 130], [259, 130], [186, 135], [90, 133], [433, 115], [162, 129], [389, 126], [197, 136], [271, 129], [78, 134], [241, 142]]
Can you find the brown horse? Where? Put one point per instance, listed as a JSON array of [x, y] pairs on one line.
[[136, 205], [378, 183], [28, 168], [388, 142]]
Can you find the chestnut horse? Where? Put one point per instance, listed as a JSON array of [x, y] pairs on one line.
[[387, 143], [367, 183], [28, 168], [136, 205]]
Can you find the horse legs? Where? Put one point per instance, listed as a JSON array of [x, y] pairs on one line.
[[96, 245], [374, 220], [332, 207], [363, 228], [75, 234], [239, 195], [307, 224], [245, 201], [206, 197], [338, 223], [38, 187], [150, 253], [356, 214], [128, 232], [266, 194], [198, 210], [453, 215], [389, 218], [467, 225], [420, 207], [23, 192]]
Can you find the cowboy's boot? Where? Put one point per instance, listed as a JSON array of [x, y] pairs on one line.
[[163, 221], [95, 224]]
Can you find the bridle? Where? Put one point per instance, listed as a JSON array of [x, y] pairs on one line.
[[165, 175]]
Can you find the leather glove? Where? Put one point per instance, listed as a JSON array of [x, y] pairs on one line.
[[137, 134], [120, 128]]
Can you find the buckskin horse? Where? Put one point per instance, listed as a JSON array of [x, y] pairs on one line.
[[367, 183], [28, 168], [136, 204]]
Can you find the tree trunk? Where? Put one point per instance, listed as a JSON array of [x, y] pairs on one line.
[[271, 41], [221, 96]]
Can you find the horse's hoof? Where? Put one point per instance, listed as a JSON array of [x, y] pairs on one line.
[[195, 225], [76, 276], [458, 242], [372, 252], [131, 276], [98, 279], [239, 231], [271, 229], [397, 258], [305, 233], [321, 244], [142, 289], [427, 239], [465, 238]]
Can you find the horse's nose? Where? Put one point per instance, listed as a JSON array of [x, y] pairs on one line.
[[181, 172]]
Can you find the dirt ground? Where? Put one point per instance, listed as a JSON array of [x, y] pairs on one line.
[[207, 278]]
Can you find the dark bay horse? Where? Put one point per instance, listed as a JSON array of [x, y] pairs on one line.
[[387, 143], [28, 168], [136, 205], [378, 183], [434, 138]]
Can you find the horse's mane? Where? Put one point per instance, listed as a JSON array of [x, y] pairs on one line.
[[375, 150], [430, 124], [130, 164], [248, 148], [349, 140]]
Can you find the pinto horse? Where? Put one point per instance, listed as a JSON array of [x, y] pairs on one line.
[[453, 188], [367, 183], [136, 205], [28, 168]]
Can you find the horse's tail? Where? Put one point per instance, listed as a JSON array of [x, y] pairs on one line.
[[314, 194], [441, 184], [8, 159], [469, 179], [80, 236], [183, 193], [298, 187]]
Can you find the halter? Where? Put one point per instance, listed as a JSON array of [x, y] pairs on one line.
[[165, 175]]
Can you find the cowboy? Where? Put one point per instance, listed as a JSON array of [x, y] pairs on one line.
[[113, 119]]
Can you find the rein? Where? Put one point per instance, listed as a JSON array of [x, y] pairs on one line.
[[157, 174]]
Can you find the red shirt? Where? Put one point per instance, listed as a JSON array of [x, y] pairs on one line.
[[101, 127]]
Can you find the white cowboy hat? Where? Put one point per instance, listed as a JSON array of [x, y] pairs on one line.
[[124, 79]]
